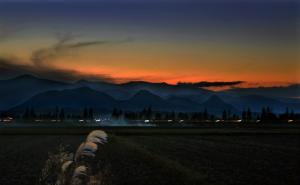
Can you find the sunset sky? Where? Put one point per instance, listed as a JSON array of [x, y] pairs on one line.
[[161, 41]]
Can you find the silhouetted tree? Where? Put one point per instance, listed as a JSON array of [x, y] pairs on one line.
[[292, 115], [26, 114], [249, 115], [199, 116], [263, 115], [205, 114], [258, 117], [116, 114], [235, 117], [62, 114], [91, 113], [143, 114], [130, 116], [229, 114], [148, 114], [173, 115], [158, 116], [85, 113], [56, 112], [268, 115], [182, 116], [120, 114], [32, 114], [224, 115]]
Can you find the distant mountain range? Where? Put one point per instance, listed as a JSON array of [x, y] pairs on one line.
[[16, 90], [25, 91], [76, 99], [275, 92]]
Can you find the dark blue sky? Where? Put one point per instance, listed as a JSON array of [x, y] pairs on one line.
[[262, 20]]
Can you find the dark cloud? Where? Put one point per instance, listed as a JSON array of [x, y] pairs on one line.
[[211, 84], [91, 43], [11, 68], [64, 46], [41, 61]]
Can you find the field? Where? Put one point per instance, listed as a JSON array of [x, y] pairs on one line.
[[164, 159]]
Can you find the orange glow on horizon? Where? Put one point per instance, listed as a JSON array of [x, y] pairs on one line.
[[122, 75], [172, 63], [162, 62]]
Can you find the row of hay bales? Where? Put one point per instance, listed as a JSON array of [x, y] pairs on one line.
[[79, 170]]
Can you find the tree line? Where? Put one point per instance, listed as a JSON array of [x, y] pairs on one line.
[[56, 114], [247, 115], [87, 113]]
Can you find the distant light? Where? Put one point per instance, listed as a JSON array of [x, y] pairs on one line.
[[7, 119], [239, 120], [146, 121], [97, 120], [257, 121], [170, 120], [180, 121], [290, 121]]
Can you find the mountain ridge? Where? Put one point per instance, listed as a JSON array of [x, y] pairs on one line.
[[135, 94]]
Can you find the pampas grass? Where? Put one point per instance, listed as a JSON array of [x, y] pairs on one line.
[[64, 168]]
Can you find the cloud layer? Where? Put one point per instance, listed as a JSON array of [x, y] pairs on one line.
[[41, 60], [211, 84], [9, 68], [63, 46]]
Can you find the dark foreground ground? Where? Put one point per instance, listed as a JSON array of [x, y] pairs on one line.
[[164, 159]]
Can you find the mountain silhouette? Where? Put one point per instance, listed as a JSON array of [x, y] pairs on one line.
[[184, 104], [28, 90], [164, 90], [216, 105], [16, 90], [256, 102], [76, 99], [274, 92], [144, 99], [71, 100]]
